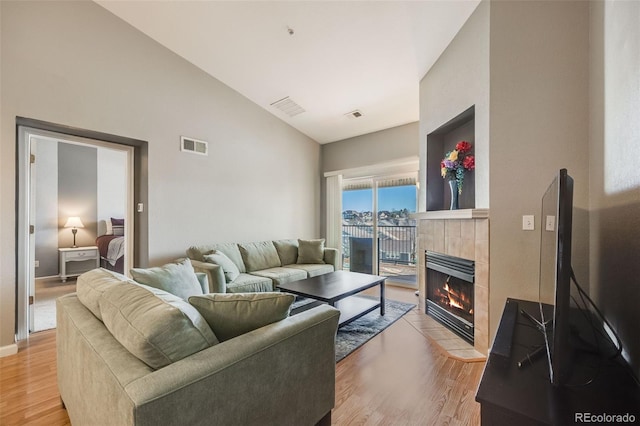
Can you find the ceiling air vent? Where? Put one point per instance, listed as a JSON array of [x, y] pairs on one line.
[[288, 106], [354, 114], [194, 146]]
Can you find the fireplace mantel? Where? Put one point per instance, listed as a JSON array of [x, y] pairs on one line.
[[452, 214]]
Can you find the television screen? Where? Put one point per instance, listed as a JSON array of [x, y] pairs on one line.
[[555, 274]]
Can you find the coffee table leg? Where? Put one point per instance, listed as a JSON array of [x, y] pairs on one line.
[[382, 297]]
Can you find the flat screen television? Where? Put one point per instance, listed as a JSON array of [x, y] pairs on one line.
[[555, 275]]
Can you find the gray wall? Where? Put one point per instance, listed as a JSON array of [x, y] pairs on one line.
[[77, 192], [614, 177], [395, 143], [564, 88], [524, 65], [457, 81], [538, 120], [76, 64], [384, 146]]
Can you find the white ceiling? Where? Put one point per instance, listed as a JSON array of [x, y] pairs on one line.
[[342, 56]]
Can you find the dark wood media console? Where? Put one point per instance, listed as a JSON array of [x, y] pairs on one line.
[[509, 395]]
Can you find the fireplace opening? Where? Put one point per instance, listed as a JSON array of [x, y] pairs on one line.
[[450, 292]]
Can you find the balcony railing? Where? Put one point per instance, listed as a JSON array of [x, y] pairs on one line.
[[396, 250]]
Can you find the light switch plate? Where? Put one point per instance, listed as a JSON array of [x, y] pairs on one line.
[[550, 223], [528, 223]]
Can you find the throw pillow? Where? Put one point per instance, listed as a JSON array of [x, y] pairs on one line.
[[287, 250], [176, 278], [117, 226], [232, 314], [155, 326], [310, 251], [230, 269], [259, 256]]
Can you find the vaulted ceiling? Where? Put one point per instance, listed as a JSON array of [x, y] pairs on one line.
[[322, 59]]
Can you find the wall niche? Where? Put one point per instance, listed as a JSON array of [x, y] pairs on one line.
[[439, 142]]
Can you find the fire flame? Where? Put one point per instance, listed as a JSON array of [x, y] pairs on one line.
[[455, 298], [450, 295]]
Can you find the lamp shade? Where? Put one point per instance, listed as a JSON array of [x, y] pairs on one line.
[[74, 222]]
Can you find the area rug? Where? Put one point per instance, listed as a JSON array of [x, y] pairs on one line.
[[357, 333]]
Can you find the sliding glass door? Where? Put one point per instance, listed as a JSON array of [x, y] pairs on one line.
[[378, 236], [396, 230]]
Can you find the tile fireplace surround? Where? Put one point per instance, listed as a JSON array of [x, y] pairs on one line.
[[460, 233]]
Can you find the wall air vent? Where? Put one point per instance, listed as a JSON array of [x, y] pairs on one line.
[[194, 146], [354, 114], [288, 106]]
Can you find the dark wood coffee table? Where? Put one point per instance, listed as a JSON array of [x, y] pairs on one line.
[[340, 289]]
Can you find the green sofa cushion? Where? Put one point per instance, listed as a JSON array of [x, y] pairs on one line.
[[92, 284], [260, 255], [313, 269], [287, 251], [310, 251], [247, 283], [177, 278], [281, 275], [230, 315], [230, 269], [155, 326]]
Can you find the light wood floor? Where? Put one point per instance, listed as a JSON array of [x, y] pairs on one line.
[[397, 378]]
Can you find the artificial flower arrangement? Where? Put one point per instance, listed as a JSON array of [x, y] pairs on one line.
[[454, 164]]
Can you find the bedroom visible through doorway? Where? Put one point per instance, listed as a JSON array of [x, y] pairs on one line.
[[78, 204], [86, 181]]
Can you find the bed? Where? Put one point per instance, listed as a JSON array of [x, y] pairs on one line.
[[111, 244]]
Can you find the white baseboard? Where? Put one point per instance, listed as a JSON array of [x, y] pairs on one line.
[[8, 350]]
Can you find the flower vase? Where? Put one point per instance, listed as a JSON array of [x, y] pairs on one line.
[[453, 185]]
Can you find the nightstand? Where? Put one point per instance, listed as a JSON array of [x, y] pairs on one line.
[[83, 259]]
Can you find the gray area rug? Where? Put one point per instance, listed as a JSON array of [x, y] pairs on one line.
[[355, 334]]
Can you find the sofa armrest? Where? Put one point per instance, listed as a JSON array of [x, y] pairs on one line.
[[215, 275], [252, 379], [203, 279], [331, 257]]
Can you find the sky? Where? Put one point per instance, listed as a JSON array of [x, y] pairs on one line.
[[389, 198]]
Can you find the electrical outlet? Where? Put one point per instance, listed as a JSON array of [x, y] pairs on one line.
[[528, 223], [36, 263]]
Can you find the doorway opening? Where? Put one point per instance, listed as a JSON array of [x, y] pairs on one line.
[[73, 184]]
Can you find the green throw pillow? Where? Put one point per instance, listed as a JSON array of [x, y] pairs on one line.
[[177, 278], [259, 256], [230, 269], [232, 314], [287, 251], [310, 251]]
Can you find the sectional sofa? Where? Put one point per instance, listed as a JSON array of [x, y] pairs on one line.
[[261, 266], [131, 354]]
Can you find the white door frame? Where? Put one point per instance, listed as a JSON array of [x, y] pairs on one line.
[[26, 213]]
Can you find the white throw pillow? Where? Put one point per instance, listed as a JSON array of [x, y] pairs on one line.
[[177, 278], [230, 269]]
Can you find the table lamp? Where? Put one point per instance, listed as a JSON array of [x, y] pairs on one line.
[[74, 223]]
